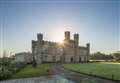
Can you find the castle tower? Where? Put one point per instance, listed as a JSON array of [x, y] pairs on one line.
[[88, 45], [67, 35], [39, 36], [88, 51], [76, 39], [34, 45]]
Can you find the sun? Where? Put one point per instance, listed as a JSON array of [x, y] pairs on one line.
[[59, 38], [60, 41]]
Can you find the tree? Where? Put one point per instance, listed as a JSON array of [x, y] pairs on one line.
[[101, 56], [116, 56]]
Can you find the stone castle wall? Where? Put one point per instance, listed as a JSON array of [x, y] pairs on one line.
[[70, 51]]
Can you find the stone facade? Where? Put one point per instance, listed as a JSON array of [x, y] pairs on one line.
[[25, 57], [69, 51]]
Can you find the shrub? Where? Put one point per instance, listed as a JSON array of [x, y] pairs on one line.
[[5, 73], [6, 70]]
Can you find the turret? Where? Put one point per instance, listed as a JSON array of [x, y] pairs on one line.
[[67, 35], [88, 51], [88, 45], [40, 37], [34, 44], [76, 39]]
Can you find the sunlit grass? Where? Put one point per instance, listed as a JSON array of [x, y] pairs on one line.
[[30, 71], [104, 69], [110, 63]]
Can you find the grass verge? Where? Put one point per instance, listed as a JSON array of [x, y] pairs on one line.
[[106, 70], [30, 71]]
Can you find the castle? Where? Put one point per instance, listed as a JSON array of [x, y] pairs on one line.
[[68, 52]]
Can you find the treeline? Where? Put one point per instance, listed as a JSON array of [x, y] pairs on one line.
[[102, 56]]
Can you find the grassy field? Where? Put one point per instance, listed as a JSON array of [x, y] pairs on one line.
[[103, 69], [29, 71]]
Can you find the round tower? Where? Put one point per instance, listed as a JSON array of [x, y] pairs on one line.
[[88, 45], [39, 36], [88, 51], [67, 35]]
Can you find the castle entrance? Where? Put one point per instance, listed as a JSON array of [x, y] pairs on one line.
[[79, 59], [71, 59]]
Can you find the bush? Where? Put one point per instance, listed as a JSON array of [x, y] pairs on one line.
[[5, 73], [6, 70], [116, 56]]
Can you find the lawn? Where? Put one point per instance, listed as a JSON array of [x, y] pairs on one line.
[[103, 69], [30, 71]]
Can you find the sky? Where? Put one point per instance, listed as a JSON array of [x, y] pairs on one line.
[[96, 21]]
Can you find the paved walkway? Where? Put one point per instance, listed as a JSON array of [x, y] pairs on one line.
[[42, 79]]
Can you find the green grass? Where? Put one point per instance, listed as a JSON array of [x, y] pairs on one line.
[[30, 71], [104, 69]]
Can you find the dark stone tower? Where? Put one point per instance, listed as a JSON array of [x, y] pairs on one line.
[[40, 37], [34, 45], [76, 39], [88, 45], [88, 52], [67, 35]]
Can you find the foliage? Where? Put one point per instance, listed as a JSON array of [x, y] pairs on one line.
[[116, 56], [101, 56], [7, 68], [4, 73]]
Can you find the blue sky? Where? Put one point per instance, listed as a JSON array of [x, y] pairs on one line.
[[97, 22]]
